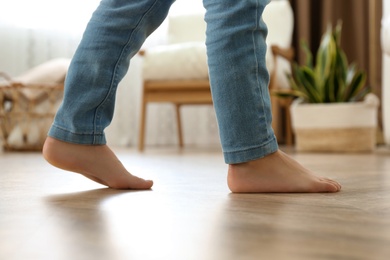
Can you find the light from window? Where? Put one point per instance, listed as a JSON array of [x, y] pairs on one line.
[[48, 14]]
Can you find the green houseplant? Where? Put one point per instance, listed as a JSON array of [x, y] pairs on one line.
[[334, 110], [331, 79]]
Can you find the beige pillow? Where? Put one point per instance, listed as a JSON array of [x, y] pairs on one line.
[[53, 71]]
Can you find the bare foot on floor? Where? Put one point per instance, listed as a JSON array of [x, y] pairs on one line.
[[96, 162], [277, 172]]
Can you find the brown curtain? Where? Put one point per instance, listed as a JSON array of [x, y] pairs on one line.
[[360, 36]]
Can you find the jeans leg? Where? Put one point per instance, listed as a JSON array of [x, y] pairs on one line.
[[239, 78], [113, 36]]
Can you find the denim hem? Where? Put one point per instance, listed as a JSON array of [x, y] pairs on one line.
[[76, 138], [252, 153]]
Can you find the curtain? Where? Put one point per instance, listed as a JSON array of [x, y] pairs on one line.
[[360, 37]]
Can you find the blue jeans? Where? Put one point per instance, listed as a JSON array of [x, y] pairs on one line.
[[236, 58]]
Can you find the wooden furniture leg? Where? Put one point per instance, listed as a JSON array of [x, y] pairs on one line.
[[179, 92], [179, 125], [141, 140]]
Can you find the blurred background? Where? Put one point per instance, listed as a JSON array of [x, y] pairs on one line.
[[33, 32]]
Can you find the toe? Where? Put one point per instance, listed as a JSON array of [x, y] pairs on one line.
[[330, 186]]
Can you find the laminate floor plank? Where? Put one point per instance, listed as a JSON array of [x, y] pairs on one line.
[[46, 213]]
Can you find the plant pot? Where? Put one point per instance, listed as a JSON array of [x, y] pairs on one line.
[[335, 127]]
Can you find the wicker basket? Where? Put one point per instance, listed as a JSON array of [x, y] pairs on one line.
[[26, 113]]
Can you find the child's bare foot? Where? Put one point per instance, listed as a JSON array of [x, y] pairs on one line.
[[96, 162], [276, 172]]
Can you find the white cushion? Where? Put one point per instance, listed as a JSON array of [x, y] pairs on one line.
[[52, 71], [176, 61], [186, 28], [279, 17], [185, 57], [386, 35]]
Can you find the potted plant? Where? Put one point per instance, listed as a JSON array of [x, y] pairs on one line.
[[334, 109]]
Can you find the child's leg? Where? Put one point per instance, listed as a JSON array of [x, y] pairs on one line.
[[76, 139], [239, 80]]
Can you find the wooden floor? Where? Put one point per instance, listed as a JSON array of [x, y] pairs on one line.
[[46, 213]]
